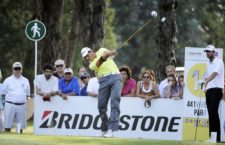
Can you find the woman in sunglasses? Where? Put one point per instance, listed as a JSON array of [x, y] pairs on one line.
[[147, 87], [173, 89]]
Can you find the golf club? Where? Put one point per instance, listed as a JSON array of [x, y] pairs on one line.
[[201, 95], [153, 14]]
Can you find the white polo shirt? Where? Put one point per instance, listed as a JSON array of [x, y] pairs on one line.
[[15, 89], [47, 85], [161, 87], [93, 85], [216, 65]]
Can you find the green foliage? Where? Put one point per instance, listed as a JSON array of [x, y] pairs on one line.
[[14, 45], [110, 37], [198, 23], [139, 52]]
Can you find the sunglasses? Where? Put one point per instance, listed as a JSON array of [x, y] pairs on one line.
[[145, 77], [17, 68], [68, 73], [170, 80], [59, 65], [207, 51], [82, 78]]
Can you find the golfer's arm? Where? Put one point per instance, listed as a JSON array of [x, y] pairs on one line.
[[211, 77], [104, 57]]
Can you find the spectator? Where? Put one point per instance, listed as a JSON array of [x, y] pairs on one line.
[[1, 103], [47, 84], [172, 90], [93, 86], [16, 89], [69, 85], [59, 66], [129, 84], [85, 78], [170, 70], [153, 76], [147, 88], [80, 71], [181, 84]]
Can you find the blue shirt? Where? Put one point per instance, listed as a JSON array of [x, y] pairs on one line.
[[83, 91], [71, 87]]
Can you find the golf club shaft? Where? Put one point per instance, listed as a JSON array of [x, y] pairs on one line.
[[139, 29], [196, 129]]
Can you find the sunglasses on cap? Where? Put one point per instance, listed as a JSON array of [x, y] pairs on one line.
[[17, 68], [59, 65]]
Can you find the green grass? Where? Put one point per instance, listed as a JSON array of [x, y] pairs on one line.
[[27, 138]]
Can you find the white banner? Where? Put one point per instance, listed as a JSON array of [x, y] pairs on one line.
[[79, 116], [222, 120]]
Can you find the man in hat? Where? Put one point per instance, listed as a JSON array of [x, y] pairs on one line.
[[16, 89], [68, 85], [110, 82], [59, 67], [214, 85], [85, 79]]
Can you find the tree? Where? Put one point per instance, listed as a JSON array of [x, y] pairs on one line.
[[50, 13], [87, 27], [166, 37], [14, 45], [139, 52]]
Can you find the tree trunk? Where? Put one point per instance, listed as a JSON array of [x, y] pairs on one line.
[[97, 27], [91, 20], [70, 50], [166, 37], [90, 16], [50, 13]]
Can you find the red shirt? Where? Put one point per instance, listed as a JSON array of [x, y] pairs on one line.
[[129, 86]]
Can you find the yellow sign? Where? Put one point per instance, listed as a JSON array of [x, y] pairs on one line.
[[195, 74]]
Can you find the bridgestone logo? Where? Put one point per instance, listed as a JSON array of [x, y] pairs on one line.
[[52, 119]]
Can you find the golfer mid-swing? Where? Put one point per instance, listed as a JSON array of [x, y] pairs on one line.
[[110, 82]]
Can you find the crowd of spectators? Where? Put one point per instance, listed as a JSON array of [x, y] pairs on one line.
[[61, 81]]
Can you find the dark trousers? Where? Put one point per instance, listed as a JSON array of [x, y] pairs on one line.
[[213, 97]]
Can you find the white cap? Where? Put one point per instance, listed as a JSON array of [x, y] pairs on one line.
[[84, 51], [68, 70], [59, 62], [210, 48], [17, 64]]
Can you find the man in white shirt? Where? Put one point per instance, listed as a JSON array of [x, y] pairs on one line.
[[214, 85], [93, 86], [16, 89], [170, 71], [47, 85]]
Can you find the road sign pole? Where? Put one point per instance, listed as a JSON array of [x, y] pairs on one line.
[[35, 68], [35, 30]]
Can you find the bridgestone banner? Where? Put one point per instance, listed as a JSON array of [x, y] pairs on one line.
[[78, 116]]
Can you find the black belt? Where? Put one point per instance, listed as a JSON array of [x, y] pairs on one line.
[[15, 103]]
